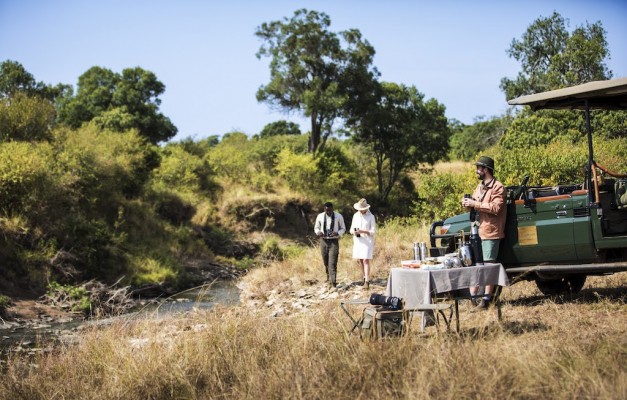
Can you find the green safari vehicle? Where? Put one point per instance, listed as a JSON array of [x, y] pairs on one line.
[[558, 235]]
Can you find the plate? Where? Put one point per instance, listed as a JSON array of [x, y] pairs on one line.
[[411, 263], [435, 266]]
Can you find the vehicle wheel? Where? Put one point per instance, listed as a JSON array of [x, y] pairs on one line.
[[569, 284]]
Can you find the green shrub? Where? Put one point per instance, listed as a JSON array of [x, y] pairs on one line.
[[24, 174], [77, 297], [264, 151], [612, 154], [532, 129], [559, 162], [298, 170], [230, 157], [337, 173], [331, 175], [26, 118], [183, 171], [153, 270], [440, 195], [4, 301]]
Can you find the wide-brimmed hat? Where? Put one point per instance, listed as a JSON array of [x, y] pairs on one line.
[[487, 162], [361, 205]]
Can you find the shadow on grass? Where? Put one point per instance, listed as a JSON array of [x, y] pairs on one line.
[[512, 327], [590, 296]]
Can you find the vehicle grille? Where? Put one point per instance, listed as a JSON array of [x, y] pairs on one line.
[[581, 212]]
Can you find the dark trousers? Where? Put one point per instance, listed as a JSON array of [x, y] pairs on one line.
[[330, 249]]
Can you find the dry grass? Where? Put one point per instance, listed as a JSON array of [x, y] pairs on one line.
[[545, 348], [456, 167]]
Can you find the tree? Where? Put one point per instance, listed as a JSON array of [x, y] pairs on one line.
[[468, 140], [27, 110], [119, 102], [280, 128], [403, 131], [15, 79], [25, 118], [551, 58], [309, 65]]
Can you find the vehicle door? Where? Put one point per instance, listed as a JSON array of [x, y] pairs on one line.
[[540, 230]]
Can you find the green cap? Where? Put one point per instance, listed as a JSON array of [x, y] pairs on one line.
[[487, 162]]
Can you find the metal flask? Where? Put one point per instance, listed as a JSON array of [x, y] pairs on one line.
[[475, 242], [424, 253], [465, 252]]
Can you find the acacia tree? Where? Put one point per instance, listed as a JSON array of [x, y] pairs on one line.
[[119, 102], [552, 58], [281, 127], [309, 67], [27, 109], [403, 131]]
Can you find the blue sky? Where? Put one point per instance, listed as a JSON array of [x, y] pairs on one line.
[[204, 51]]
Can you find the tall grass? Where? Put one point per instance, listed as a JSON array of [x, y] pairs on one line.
[[544, 348]]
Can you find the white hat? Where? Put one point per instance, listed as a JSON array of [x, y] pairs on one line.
[[361, 205]]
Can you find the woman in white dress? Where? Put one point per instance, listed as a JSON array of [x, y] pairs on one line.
[[363, 229]]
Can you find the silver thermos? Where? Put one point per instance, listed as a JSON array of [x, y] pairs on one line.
[[475, 242], [416, 251], [423, 251]]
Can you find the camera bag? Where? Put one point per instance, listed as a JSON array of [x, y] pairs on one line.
[[379, 322]]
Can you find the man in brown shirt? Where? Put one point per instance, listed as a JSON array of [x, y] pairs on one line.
[[489, 201]]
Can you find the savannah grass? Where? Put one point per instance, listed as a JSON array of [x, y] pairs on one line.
[[545, 348]]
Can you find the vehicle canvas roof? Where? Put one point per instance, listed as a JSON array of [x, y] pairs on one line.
[[607, 95]]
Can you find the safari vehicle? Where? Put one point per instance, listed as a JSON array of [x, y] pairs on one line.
[[558, 235]]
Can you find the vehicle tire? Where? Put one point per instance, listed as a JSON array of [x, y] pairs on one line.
[[569, 284]]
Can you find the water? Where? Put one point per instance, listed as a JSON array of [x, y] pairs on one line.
[[31, 337], [223, 292]]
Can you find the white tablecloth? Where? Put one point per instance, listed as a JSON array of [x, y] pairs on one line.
[[417, 286]]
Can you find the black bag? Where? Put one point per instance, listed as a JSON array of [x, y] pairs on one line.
[[380, 322]]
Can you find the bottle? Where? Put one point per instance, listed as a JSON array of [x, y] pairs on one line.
[[423, 251], [417, 251], [475, 242]]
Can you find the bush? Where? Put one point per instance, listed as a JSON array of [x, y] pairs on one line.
[[331, 175], [440, 195], [76, 297], [532, 129], [25, 118], [559, 162], [471, 140], [24, 175], [183, 171], [265, 150], [153, 270], [230, 157], [298, 170]]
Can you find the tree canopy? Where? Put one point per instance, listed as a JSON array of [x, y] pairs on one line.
[[403, 131], [552, 58], [280, 128], [468, 140], [119, 102], [309, 67], [15, 79]]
